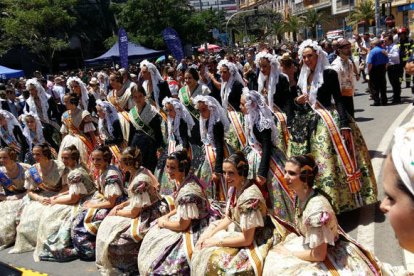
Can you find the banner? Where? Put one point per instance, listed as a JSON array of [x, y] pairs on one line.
[[123, 48], [173, 42]]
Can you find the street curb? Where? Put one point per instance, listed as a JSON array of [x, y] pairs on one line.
[[384, 147]]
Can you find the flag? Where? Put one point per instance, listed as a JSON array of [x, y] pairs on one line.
[[123, 47], [173, 42]]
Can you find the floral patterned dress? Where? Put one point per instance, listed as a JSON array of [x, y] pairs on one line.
[[86, 223], [9, 208], [249, 211], [53, 238], [46, 184], [119, 238], [167, 252], [317, 224]]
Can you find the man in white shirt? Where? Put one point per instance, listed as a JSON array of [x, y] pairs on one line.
[[394, 68], [346, 70]]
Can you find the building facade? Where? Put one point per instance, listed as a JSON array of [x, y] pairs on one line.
[[229, 6]]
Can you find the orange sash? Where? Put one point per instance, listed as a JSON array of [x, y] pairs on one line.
[[282, 120], [348, 163], [235, 121], [75, 130], [278, 174], [211, 157]]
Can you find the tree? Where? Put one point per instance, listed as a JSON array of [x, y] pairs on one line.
[[364, 12], [312, 18], [292, 25], [144, 20], [41, 26]]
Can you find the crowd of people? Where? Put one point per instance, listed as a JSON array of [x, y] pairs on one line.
[[214, 165]]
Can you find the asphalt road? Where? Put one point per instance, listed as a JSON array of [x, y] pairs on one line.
[[367, 225]]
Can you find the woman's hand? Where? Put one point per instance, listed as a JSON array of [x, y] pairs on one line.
[[302, 99], [114, 210], [282, 250], [210, 242], [215, 177], [161, 221], [44, 200], [260, 180], [88, 204], [202, 239]]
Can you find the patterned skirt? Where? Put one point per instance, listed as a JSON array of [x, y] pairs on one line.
[[310, 135], [119, 239], [345, 258], [8, 223], [27, 229], [167, 252], [54, 242], [84, 229], [279, 200], [238, 261]]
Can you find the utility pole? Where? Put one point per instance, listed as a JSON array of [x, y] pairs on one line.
[[377, 18]]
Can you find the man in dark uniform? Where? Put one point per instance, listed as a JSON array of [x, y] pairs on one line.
[[377, 61], [406, 49]]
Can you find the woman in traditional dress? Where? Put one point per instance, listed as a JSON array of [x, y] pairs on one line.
[[317, 246], [35, 134], [77, 128], [179, 126], [87, 100], [167, 247], [274, 86], [327, 132], [229, 246], [121, 98], [265, 158], [186, 95], [109, 128], [42, 104], [53, 238], [146, 132], [121, 232], [109, 193], [12, 183], [11, 134], [43, 180], [213, 126], [155, 87], [231, 90]]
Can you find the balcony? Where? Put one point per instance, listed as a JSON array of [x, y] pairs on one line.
[[248, 4], [302, 6]]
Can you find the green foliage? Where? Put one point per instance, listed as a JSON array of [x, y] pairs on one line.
[[365, 11], [293, 24], [144, 20], [312, 17], [39, 25]]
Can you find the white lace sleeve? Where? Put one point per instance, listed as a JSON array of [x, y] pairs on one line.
[[187, 211], [29, 183], [76, 186], [89, 127], [140, 200], [63, 129], [251, 219]]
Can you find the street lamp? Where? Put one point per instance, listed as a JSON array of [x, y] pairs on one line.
[[231, 17]]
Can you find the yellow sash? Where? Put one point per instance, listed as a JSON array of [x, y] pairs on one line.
[[278, 174], [211, 156], [282, 120], [75, 130], [256, 260], [235, 121], [348, 163]]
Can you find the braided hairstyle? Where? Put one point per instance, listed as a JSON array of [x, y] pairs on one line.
[[132, 156], [106, 153], [308, 168], [74, 153], [184, 163], [10, 152], [239, 161], [45, 150]]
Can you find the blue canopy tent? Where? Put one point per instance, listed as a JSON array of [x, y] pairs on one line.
[[134, 52], [7, 73]]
